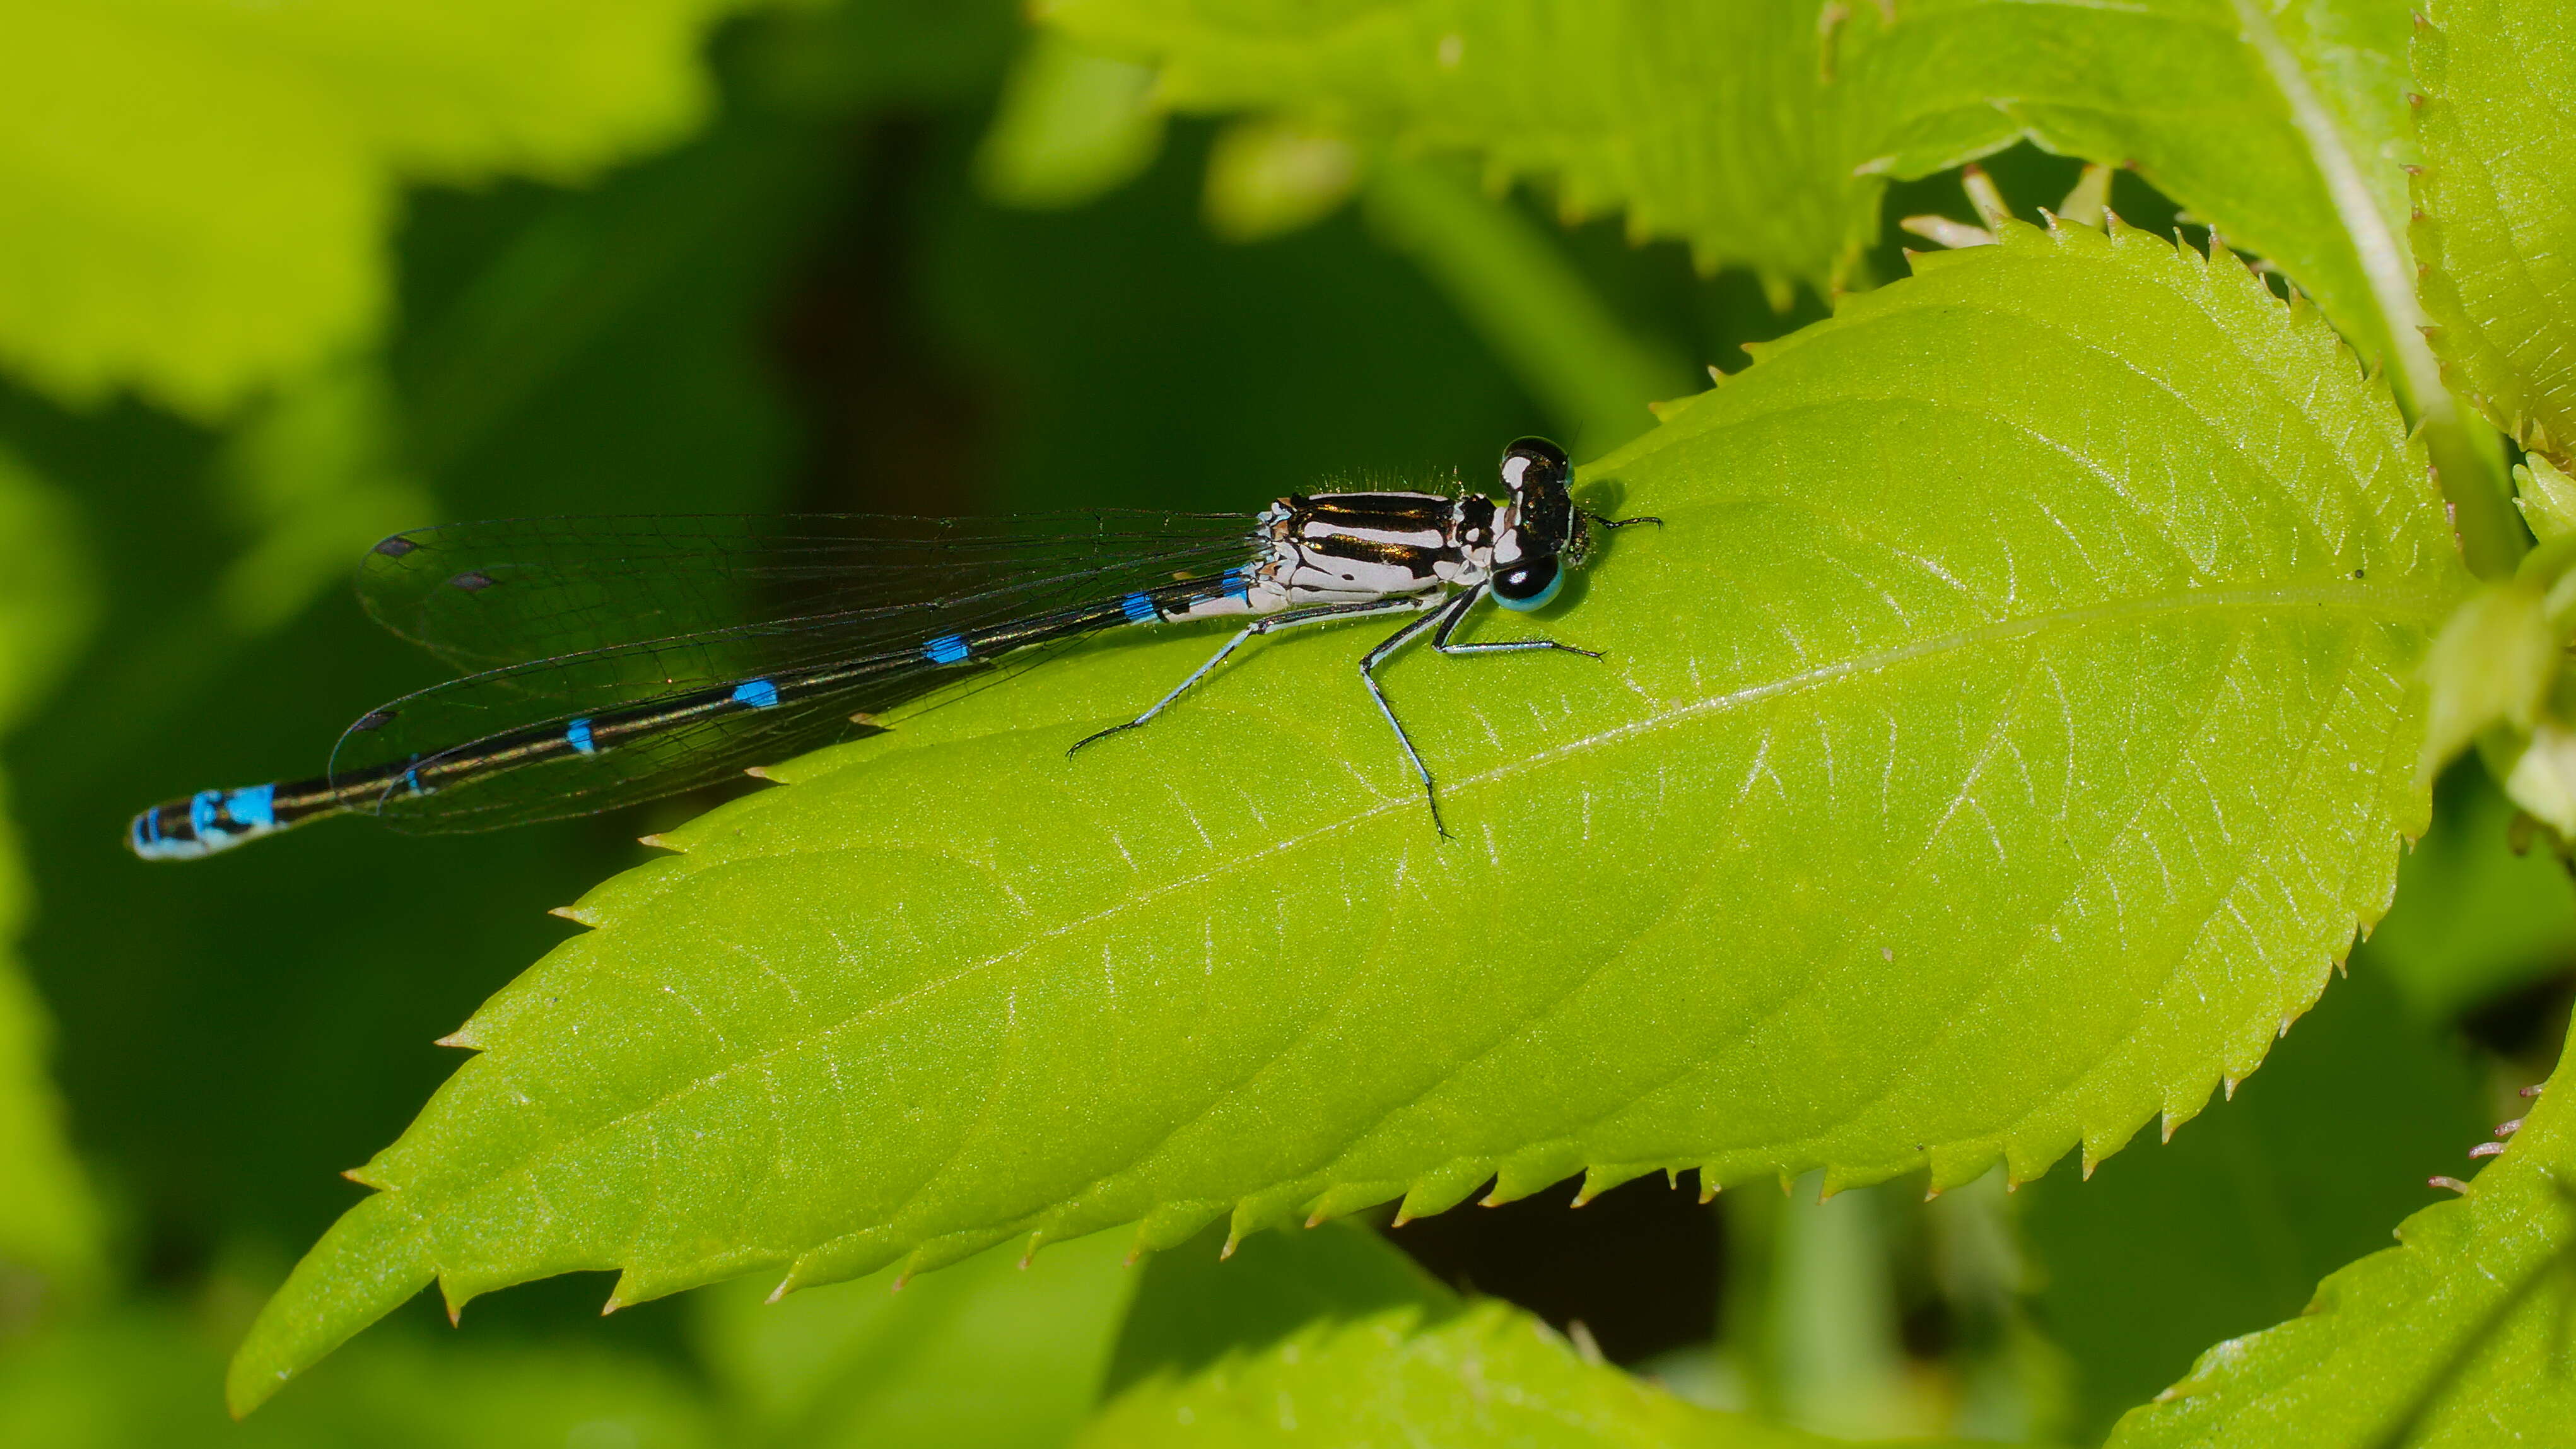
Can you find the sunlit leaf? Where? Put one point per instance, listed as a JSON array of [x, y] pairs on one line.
[[1334, 1338], [2497, 210], [194, 197], [1762, 132], [2461, 1336], [1999, 741]]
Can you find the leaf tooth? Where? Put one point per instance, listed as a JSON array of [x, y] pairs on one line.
[[368, 1175], [945, 1249], [852, 1255], [1346, 1198], [1841, 1177], [1528, 1171], [1443, 1189], [576, 915], [1172, 1224], [1261, 1210], [454, 1296], [463, 1039], [1709, 1183], [1958, 1164], [1600, 1177]]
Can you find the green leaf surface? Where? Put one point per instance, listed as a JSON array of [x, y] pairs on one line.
[[994, 1352], [2229, 1226], [194, 196], [2496, 203], [1333, 1337], [2459, 1337], [1762, 132], [2014, 703]]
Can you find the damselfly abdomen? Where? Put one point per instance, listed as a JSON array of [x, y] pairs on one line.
[[623, 659]]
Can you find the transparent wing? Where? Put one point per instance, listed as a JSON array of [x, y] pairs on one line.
[[838, 625], [512, 591]]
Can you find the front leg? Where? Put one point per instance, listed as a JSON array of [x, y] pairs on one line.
[[1456, 614]]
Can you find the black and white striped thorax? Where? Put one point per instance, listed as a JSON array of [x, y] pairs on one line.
[[1349, 548]]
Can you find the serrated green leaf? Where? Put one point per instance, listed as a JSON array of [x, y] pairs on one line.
[[2000, 740], [1762, 132], [196, 195], [2494, 210], [1335, 1338], [2460, 1336], [997, 1353]]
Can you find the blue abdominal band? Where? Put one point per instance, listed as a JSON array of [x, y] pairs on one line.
[[255, 808], [758, 693], [578, 732], [946, 649], [1139, 609]]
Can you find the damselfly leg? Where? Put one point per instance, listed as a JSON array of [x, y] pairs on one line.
[[1271, 625]]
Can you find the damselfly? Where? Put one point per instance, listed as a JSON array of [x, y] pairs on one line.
[[614, 660]]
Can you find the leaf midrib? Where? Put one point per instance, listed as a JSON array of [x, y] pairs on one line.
[[2422, 606]]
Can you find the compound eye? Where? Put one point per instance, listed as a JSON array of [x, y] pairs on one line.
[[1528, 586], [1535, 462]]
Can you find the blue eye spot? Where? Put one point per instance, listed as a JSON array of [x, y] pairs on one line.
[[1513, 590]]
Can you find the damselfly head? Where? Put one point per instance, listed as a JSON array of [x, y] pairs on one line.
[[1543, 533]]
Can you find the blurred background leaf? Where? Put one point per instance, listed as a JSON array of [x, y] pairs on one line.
[[998, 1351], [199, 194], [1330, 1337]]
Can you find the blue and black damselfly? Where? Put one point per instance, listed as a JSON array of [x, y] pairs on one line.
[[615, 660]]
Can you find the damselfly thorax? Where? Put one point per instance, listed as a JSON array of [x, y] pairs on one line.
[[617, 660]]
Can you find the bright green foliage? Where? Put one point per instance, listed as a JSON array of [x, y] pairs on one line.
[[48, 1222], [1072, 125], [1978, 767], [994, 1352], [2459, 1337], [194, 196], [1764, 138], [2497, 205], [2229, 1226], [1333, 1338]]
